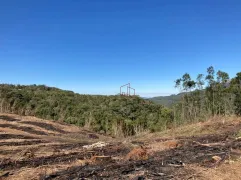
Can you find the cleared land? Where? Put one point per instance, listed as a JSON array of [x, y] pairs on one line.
[[32, 148]]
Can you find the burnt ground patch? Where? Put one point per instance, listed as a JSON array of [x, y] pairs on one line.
[[8, 164], [117, 149], [22, 128], [152, 168], [14, 136], [93, 136], [193, 152], [160, 166], [44, 126], [168, 164], [7, 152], [23, 143], [210, 138], [67, 146], [8, 118]]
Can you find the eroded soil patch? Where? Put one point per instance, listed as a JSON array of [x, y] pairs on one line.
[[14, 136], [23, 143], [8, 118], [23, 128], [44, 126]]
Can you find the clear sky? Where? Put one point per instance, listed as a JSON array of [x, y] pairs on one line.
[[94, 46]]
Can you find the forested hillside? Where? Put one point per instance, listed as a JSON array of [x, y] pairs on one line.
[[116, 115], [167, 101], [209, 95]]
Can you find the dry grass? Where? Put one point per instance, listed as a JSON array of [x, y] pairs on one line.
[[55, 140], [161, 146], [153, 143], [228, 171], [65, 127], [214, 125]]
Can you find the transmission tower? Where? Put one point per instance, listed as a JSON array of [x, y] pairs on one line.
[[128, 90]]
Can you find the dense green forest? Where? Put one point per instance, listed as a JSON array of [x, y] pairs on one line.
[[206, 96], [116, 115]]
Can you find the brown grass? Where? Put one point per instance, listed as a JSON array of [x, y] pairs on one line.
[[145, 147], [214, 125]]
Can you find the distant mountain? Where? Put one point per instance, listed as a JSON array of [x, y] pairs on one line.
[[145, 98], [167, 100]]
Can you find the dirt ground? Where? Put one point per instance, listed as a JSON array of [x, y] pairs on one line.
[[31, 148]]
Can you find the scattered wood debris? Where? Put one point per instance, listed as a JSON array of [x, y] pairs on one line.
[[96, 145], [32, 153]]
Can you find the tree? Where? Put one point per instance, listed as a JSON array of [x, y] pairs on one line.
[[178, 83], [200, 102], [199, 81], [188, 84], [210, 77], [210, 89], [236, 89], [111, 114], [222, 77]]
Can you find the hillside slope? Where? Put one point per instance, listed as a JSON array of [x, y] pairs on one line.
[[167, 101], [116, 115], [32, 148]]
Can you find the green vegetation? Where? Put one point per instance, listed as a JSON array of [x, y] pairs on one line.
[[209, 95], [116, 115], [221, 96]]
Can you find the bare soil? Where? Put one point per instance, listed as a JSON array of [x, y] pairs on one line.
[[23, 128], [44, 125], [59, 153], [14, 136], [9, 118], [23, 143]]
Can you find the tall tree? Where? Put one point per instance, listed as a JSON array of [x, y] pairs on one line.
[[210, 89], [200, 81]]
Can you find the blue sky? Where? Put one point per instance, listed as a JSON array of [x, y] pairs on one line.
[[94, 46]]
